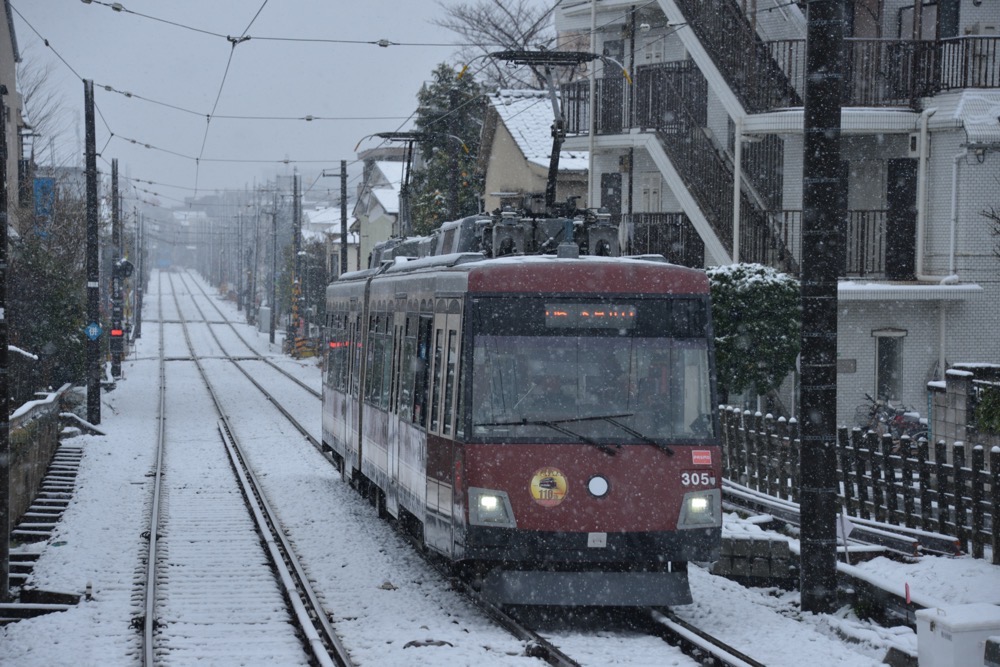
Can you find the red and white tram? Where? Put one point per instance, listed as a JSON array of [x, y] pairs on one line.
[[546, 424]]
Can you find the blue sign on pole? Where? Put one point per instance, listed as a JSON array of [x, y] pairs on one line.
[[93, 331]]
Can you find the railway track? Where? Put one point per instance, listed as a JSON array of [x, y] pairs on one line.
[[659, 625], [221, 581]]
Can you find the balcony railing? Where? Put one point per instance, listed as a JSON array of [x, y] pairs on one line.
[[864, 240], [969, 62], [669, 234], [654, 101], [879, 72]]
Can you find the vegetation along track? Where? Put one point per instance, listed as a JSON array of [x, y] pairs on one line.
[[221, 583]]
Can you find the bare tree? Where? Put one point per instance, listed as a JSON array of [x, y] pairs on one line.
[[487, 26], [45, 111]]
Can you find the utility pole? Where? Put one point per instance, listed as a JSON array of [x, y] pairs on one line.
[[240, 262], [252, 309], [823, 212], [454, 210], [140, 253], [93, 265], [4, 391], [343, 214], [274, 262], [117, 343], [295, 326]]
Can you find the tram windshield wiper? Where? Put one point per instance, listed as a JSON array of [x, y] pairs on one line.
[[555, 425], [613, 419]]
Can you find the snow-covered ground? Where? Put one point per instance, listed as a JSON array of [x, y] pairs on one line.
[[388, 606]]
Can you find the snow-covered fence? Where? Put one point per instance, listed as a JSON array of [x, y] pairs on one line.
[[947, 489], [761, 452], [950, 492], [34, 437]]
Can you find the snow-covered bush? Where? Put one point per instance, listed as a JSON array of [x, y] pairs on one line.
[[757, 321]]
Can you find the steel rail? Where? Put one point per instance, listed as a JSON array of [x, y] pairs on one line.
[[320, 638], [244, 341], [149, 616]]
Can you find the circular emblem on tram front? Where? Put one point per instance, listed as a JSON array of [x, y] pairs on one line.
[[548, 487]]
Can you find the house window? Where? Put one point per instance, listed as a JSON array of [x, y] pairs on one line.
[[888, 363]]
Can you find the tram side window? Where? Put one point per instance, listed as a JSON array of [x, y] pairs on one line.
[[460, 398], [344, 355], [397, 350], [387, 345], [337, 360], [421, 370], [373, 359], [438, 373], [409, 369], [449, 383], [356, 362]]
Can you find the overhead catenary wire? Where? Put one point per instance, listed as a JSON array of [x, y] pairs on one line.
[[204, 156]]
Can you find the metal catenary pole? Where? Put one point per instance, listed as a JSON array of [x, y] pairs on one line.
[[824, 209], [93, 265]]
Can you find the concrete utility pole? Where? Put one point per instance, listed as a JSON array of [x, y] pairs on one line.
[[343, 214], [4, 392], [298, 311], [117, 342], [140, 253], [274, 263], [824, 207], [93, 265]]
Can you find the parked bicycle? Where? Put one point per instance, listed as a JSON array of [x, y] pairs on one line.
[[884, 417]]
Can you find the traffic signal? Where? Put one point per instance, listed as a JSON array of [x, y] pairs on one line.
[[117, 342], [123, 269]]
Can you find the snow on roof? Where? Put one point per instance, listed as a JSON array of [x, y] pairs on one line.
[[388, 198], [852, 290], [326, 215], [527, 115], [977, 111], [392, 171], [980, 111]]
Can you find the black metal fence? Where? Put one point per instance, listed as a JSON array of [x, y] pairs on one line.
[[948, 489]]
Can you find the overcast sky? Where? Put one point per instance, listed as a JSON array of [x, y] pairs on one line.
[[176, 57]]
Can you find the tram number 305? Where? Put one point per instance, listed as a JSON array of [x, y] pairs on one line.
[[691, 478]]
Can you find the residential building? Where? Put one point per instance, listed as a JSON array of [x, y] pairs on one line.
[[9, 57], [323, 224], [700, 157], [377, 209], [515, 152]]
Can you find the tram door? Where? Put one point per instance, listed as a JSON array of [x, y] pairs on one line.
[[442, 424]]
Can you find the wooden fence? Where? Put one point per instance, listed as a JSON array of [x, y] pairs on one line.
[[946, 489]]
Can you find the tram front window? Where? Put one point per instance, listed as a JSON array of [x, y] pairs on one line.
[[658, 388]]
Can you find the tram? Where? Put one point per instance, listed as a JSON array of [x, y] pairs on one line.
[[546, 423]]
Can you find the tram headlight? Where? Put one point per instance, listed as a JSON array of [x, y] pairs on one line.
[[701, 509], [490, 508]]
